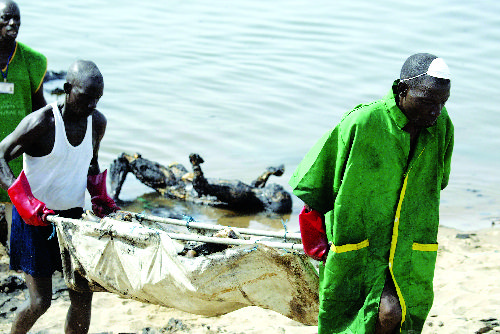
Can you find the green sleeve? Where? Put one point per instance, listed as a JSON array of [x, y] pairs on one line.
[[447, 155], [316, 179], [27, 71]]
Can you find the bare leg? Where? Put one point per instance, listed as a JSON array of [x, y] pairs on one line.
[[389, 314], [261, 181], [118, 171], [4, 229], [40, 297], [200, 183], [78, 317], [8, 217]]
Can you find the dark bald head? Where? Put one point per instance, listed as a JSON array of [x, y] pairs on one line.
[[84, 87], [7, 3], [10, 21], [416, 65], [84, 71], [414, 69]]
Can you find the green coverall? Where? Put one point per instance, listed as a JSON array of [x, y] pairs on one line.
[[381, 211], [26, 70]]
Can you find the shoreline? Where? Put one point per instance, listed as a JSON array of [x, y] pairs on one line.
[[466, 286]]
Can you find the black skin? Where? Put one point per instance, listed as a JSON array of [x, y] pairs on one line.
[[35, 136], [240, 196], [10, 21], [422, 104], [233, 194]]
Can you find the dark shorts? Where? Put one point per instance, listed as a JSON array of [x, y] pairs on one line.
[[31, 250]]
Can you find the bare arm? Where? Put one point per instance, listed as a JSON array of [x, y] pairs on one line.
[[98, 129], [102, 204], [21, 140], [6, 175], [37, 99]]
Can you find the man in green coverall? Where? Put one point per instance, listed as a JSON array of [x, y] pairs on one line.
[[21, 85], [372, 187]]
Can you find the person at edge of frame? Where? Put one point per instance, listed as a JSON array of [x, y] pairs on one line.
[[371, 188], [60, 144], [21, 89]]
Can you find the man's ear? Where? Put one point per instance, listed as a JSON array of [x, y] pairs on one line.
[[67, 87], [402, 89]]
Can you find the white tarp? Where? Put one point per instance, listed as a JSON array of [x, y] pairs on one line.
[[141, 263]]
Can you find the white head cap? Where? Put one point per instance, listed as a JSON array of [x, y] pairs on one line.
[[437, 69]]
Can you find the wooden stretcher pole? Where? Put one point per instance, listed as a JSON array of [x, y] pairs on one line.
[[237, 242], [246, 231], [297, 247]]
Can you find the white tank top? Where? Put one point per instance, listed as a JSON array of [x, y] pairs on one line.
[[59, 179]]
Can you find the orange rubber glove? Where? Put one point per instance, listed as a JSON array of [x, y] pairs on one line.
[[31, 210], [102, 204], [313, 232]]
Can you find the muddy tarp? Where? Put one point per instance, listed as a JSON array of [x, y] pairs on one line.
[[141, 263]]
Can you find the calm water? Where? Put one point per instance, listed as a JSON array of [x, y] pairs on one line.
[[253, 83]]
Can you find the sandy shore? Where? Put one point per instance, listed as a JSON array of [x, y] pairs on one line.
[[467, 299]]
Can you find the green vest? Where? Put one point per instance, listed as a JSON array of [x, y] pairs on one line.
[[381, 213], [26, 70]]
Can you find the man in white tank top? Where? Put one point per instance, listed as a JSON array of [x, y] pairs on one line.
[[60, 145]]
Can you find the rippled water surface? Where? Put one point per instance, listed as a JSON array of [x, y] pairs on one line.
[[249, 84]]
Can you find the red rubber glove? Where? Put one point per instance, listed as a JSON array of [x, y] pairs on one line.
[[102, 204], [313, 232], [31, 210]]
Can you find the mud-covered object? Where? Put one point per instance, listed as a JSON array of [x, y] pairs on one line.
[[51, 75], [239, 196], [166, 180], [174, 181], [141, 263]]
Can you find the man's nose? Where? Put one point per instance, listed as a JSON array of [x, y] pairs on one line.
[[93, 103], [436, 110]]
